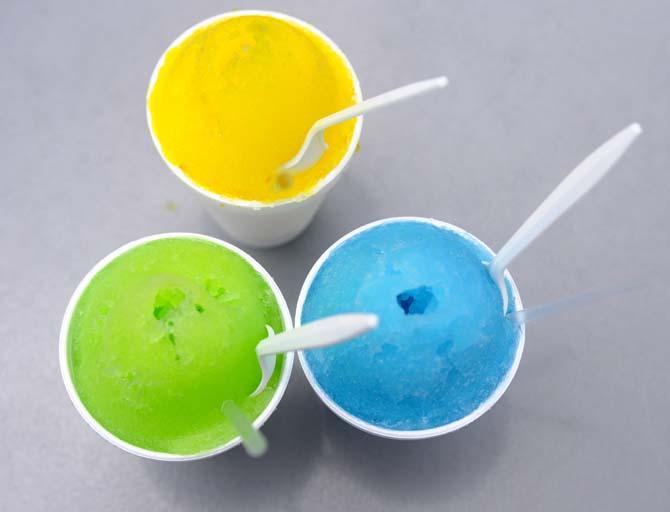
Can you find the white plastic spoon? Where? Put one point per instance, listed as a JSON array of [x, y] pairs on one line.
[[314, 145], [253, 440], [320, 333], [568, 192]]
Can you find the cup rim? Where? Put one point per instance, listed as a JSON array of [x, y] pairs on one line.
[[106, 434], [326, 182], [387, 432]]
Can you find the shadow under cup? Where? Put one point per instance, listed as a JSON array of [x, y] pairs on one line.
[[137, 450], [368, 426]]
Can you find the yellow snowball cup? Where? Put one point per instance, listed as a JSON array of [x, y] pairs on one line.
[[232, 98]]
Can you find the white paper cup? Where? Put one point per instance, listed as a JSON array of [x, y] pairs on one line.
[[404, 434], [255, 223], [102, 431]]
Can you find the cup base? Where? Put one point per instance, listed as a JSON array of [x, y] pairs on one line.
[[267, 228]]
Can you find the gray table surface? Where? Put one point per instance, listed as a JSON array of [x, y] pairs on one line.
[[535, 85]]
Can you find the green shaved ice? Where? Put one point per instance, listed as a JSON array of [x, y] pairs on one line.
[[163, 335]]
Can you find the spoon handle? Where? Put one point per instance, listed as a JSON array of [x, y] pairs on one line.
[[320, 333], [253, 440], [568, 192], [382, 100]]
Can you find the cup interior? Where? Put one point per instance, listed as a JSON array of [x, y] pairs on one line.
[[392, 433], [326, 182], [102, 431]]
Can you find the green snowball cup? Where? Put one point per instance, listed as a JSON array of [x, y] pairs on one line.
[[160, 333]]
